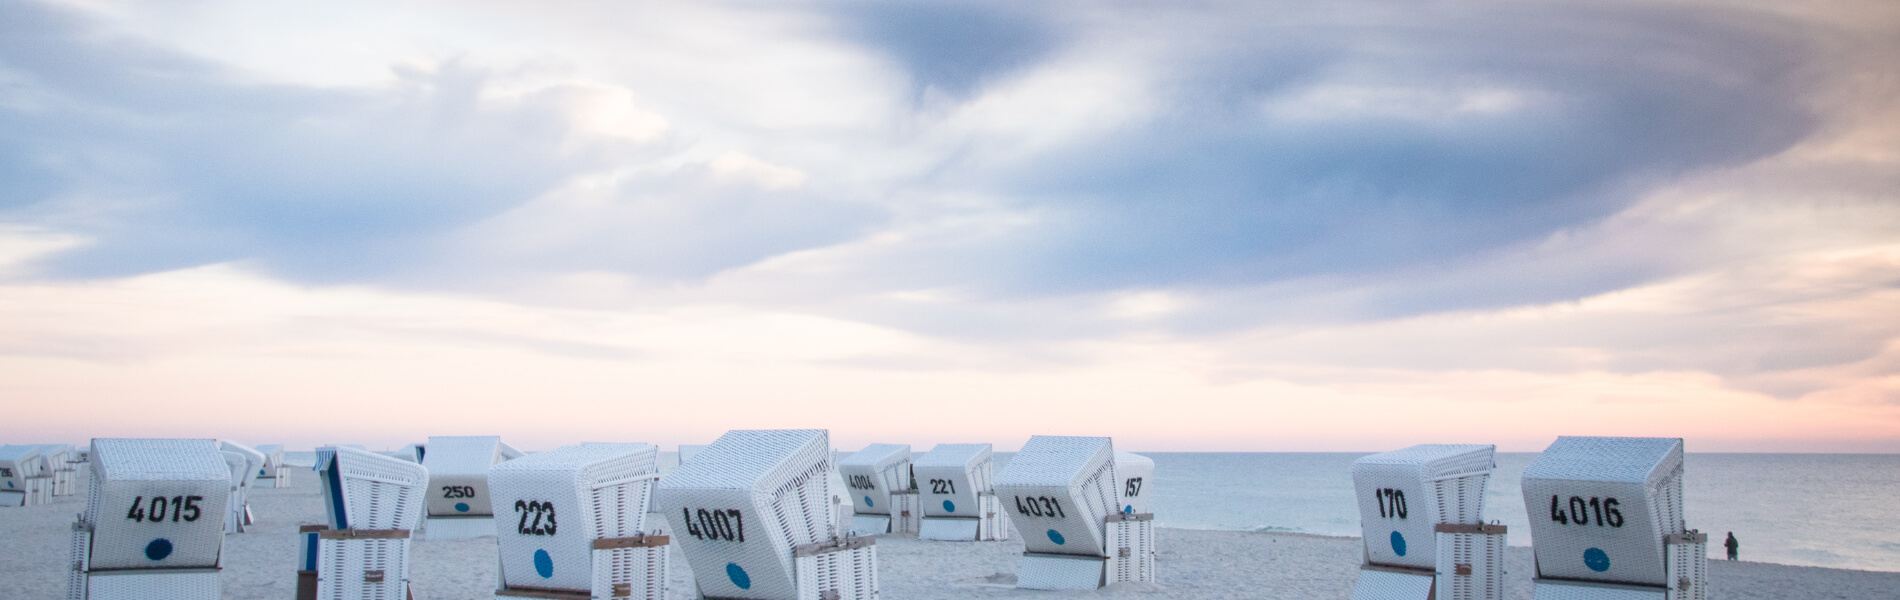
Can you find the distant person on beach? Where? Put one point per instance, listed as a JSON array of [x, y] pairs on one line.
[[1734, 547]]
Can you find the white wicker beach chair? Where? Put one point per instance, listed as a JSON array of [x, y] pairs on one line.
[[373, 503], [20, 467], [578, 525], [871, 475], [752, 514], [245, 463], [61, 462], [1421, 518], [956, 486], [1133, 474], [153, 526], [458, 484], [1607, 521], [1061, 492], [272, 473]]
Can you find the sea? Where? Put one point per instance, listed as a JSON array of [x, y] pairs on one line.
[[1822, 510]]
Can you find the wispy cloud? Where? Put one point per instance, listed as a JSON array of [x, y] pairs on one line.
[[1304, 199]]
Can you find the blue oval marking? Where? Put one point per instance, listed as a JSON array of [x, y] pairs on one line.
[[867, 502], [949, 506], [543, 564], [461, 507], [158, 549], [9, 485], [1056, 537], [738, 576], [1128, 510], [1596, 559], [1398, 543]]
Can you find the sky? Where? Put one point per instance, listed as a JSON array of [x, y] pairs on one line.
[[1322, 225]]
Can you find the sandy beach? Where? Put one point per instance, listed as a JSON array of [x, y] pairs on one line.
[[259, 564]]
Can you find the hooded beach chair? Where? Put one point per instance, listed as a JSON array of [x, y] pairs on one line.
[[1133, 473], [244, 463], [154, 522], [1607, 521], [956, 486], [1062, 494], [23, 469], [753, 515], [62, 464], [372, 504], [272, 473], [871, 475], [573, 524], [1421, 518], [458, 484]]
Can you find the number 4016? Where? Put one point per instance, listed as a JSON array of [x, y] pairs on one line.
[[1578, 511]]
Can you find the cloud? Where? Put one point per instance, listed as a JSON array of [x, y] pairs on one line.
[[953, 49]]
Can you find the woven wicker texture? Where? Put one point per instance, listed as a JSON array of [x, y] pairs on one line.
[[872, 474], [368, 491], [1689, 569], [157, 504], [76, 560], [1600, 506], [458, 474], [752, 496], [1054, 572], [1133, 474], [1482, 557], [1131, 554], [950, 476], [193, 585], [365, 490], [1057, 490], [1403, 493], [1386, 585], [1546, 590], [554, 505], [842, 575]]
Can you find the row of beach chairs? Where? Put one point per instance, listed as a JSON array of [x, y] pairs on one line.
[[1606, 519], [776, 515], [33, 474]]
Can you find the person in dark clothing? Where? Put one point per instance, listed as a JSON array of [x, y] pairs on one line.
[[1734, 547]]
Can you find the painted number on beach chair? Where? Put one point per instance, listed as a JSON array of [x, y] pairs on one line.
[[178, 507], [1039, 506], [1391, 502], [1579, 510], [861, 482], [458, 491], [543, 514], [716, 524], [1133, 487], [6, 472], [943, 486]]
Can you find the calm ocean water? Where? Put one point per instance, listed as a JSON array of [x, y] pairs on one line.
[[1823, 510]]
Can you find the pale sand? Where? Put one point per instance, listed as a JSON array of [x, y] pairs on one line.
[[260, 563]]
